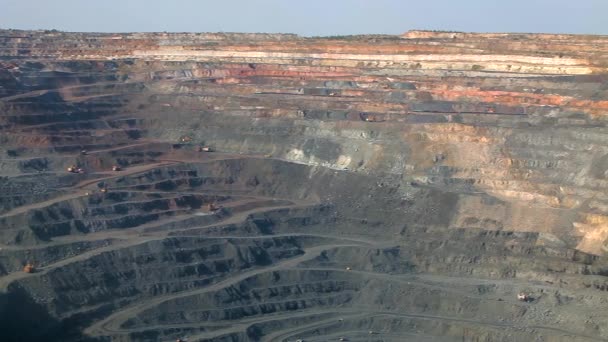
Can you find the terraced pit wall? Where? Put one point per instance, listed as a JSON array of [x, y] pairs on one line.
[[516, 118], [477, 154]]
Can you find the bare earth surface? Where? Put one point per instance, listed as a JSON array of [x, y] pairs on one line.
[[361, 188]]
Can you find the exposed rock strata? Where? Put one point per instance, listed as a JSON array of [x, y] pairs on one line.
[[449, 169]]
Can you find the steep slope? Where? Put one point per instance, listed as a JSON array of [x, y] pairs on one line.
[[358, 188]]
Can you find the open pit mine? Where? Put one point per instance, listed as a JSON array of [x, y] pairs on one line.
[[430, 186]]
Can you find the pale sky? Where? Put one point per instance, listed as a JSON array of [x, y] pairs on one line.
[[308, 17]]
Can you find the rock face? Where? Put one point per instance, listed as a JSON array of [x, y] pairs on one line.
[[275, 187]]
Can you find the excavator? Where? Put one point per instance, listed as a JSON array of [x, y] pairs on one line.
[[523, 297]]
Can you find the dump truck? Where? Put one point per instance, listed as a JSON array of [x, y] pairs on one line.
[[75, 169], [29, 268]]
